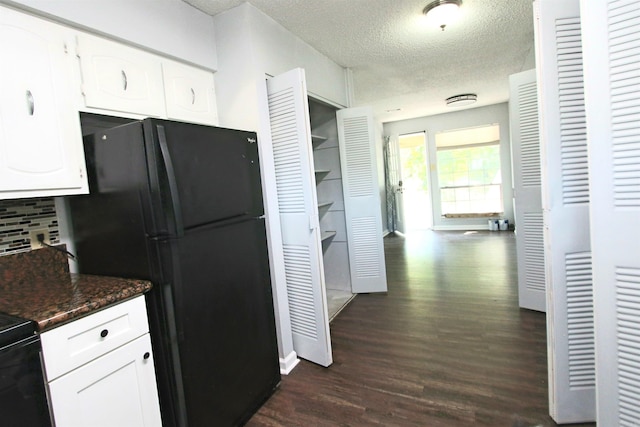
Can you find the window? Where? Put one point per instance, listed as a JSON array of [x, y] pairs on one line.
[[469, 172]]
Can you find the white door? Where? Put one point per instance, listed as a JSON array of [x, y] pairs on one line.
[[298, 206], [117, 389], [358, 162], [398, 184], [393, 185], [565, 201], [525, 151], [414, 167], [612, 88]]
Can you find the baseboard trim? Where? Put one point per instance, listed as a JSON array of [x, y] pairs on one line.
[[288, 363], [461, 227]]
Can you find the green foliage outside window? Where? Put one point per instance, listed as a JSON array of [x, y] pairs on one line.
[[414, 168], [470, 179]]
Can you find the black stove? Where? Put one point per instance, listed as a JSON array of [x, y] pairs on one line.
[[23, 399], [14, 329]]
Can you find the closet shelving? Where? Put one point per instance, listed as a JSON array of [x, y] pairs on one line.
[[326, 154]]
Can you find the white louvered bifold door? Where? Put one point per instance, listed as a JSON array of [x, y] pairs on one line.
[[296, 189], [565, 202], [358, 164], [525, 149], [612, 87]]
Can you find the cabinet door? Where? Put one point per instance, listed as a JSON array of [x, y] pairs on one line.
[[120, 78], [189, 93], [117, 389], [40, 140]]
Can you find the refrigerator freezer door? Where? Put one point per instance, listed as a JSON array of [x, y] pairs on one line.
[[109, 224], [225, 322], [201, 174]]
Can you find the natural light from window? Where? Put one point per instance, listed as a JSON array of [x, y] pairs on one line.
[[469, 174]]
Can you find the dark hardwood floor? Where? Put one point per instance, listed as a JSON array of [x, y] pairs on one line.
[[446, 346]]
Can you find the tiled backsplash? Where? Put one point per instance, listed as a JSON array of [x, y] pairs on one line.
[[18, 217]]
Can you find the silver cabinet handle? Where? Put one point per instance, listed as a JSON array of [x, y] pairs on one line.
[[124, 80], [193, 96], [31, 104]]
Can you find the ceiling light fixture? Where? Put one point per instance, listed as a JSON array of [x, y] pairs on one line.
[[442, 12], [461, 100]]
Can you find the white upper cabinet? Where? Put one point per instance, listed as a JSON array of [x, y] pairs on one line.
[[40, 140], [51, 71], [189, 93], [117, 77]]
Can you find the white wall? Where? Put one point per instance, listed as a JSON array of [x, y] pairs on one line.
[[498, 113], [171, 27], [239, 72], [250, 47], [241, 94], [277, 51]]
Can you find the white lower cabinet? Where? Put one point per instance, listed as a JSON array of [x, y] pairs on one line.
[[107, 378], [117, 389]]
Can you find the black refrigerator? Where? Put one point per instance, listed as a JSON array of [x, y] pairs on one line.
[[181, 205]]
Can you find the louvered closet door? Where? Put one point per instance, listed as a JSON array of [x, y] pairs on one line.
[[612, 86], [358, 163], [297, 200], [525, 148], [565, 200]]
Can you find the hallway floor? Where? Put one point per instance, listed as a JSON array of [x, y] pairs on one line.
[[447, 345]]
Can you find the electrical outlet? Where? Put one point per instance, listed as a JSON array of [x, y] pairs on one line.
[[33, 236]]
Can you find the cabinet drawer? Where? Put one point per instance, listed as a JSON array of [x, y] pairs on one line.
[[76, 343]]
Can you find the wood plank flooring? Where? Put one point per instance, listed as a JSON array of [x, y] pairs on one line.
[[446, 346]]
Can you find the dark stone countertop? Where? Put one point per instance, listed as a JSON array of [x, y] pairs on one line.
[[37, 285]]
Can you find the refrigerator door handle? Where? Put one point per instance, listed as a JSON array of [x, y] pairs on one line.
[[171, 178]]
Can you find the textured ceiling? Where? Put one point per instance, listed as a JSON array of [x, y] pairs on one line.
[[401, 66]]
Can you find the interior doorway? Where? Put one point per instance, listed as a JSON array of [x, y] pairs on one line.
[[416, 192]]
